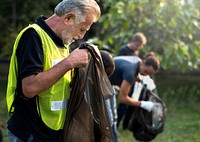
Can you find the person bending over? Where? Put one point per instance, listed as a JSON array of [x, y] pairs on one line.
[[127, 69]]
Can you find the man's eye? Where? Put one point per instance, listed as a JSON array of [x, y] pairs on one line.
[[82, 30]]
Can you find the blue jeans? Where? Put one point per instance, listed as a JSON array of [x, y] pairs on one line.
[[112, 113], [13, 138], [113, 105]]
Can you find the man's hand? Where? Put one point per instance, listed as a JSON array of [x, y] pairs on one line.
[[78, 58], [147, 105]]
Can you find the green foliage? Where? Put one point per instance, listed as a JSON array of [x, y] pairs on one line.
[[15, 15], [172, 28]]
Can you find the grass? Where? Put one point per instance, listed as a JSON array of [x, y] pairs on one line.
[[181, 93]]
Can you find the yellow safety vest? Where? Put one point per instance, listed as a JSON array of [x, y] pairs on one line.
[[52, 102]]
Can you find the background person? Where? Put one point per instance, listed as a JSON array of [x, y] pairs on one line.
[[108, 62], [134, 46], [137, 42], [127, 69], [40, 71]]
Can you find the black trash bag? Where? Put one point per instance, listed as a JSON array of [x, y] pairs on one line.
[[87, 118], [147, 125]]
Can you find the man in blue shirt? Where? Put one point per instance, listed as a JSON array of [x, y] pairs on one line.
[[126, 71]]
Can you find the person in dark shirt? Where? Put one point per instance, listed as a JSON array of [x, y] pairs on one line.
[[40, 71], [127, 69], [133, 47]]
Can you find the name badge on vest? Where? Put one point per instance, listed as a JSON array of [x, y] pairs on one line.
[[54, 62], [58, 105]]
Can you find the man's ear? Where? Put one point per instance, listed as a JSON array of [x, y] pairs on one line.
[[69, 17]]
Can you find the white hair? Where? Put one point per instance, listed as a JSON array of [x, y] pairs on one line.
[[79, 7]]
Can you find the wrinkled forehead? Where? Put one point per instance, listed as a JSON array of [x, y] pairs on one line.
[[86, 21]]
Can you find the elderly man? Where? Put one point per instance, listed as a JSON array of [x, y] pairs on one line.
[[40, 71]]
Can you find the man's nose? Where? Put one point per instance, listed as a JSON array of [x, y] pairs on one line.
[[81, 35]]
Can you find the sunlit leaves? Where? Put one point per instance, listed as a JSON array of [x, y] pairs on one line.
[[172, 28]]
